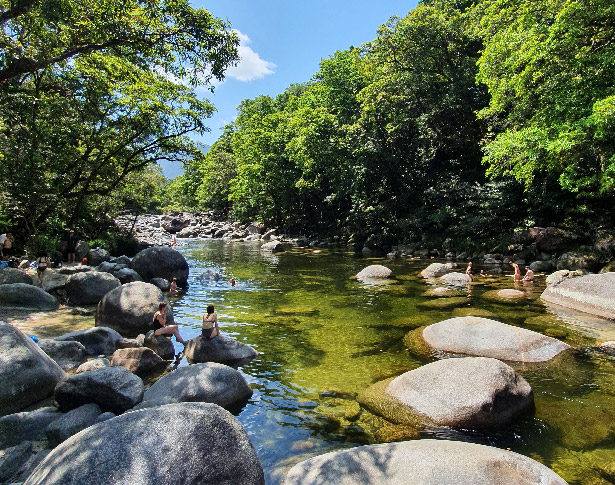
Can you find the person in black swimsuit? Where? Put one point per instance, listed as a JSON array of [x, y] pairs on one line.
[[159, 324], [210, 324]]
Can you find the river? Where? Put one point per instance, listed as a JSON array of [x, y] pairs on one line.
[[323, 337]]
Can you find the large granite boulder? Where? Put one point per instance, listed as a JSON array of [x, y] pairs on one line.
[[67, 354], [89, 288], [23, 295], [26, 426], [202, 444], [435, 270], [374, 272], [54, 281], [113, 388], [456, 279], [97, 341], [163, 262], [139, 361], [219, 349], [160, 344], [484, 337], [97, 256], [422, 462], [27, 374], [469, 392], [130, 308], [592, 293], [71, 423], [14, 275], [210, 382]]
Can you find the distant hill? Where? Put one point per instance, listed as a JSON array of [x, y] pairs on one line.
[[175, 169]]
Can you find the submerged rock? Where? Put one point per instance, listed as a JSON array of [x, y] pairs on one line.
[[422, 462], [210, 382], [489, 338], [593, 293], [26, 372], [202, 444], [219, 349], [469, 392]]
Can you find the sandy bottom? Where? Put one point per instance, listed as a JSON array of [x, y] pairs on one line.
[[46, 324]]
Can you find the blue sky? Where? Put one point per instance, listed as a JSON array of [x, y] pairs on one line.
[[283, 41]]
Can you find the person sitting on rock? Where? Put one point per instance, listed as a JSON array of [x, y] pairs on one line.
[[517, 276], [160, 327], [529, 274], [210, 324]]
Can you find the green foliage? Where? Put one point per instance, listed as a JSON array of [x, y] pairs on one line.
[[92, 95], [40, 245]]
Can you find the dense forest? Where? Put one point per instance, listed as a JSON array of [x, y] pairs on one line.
[[463, 120]]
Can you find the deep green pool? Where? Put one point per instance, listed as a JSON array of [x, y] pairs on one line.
[[324, 337]]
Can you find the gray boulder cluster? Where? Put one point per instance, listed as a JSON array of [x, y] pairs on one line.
[[105, 426], [543, 249], [160, 229]]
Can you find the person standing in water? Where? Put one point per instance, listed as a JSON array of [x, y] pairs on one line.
[[515, 266], [210, 324], [160, 327], [469, 271]]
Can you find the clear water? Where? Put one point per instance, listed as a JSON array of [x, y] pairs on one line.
[[324, 337]]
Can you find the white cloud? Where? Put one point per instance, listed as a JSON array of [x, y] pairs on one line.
[[250, 66]]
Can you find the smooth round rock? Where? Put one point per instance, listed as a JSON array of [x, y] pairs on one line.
[[27, 374], [219, 349], [130, 308], [68, 355], [489, 338], [139, 361], [162, 262], [209, 382], [435, 270], [592, 293], [127, 275], [422, 462], [89, 288], [199, 443], [456, 279], [97, 341], [113, 388], [469, 393], [23, 295], [97, 256], [14, 275], [272, 247], [374, 272]]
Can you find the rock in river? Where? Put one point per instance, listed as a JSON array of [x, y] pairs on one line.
[[435, 270], [27, 374], [219, 349], [592, 293], [374, 272], [163, 262], [469, 392], [27, 296], [130, 308], [422, 462], [210, 382], [89, 288], [200, 444], [489, 338], [113, 388]]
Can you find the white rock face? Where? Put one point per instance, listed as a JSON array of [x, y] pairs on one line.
[[593, 293]]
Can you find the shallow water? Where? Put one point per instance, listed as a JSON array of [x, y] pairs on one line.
[[324, 337]]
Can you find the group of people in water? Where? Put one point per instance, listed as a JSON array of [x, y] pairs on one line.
[[529, 274], [209, 331]]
